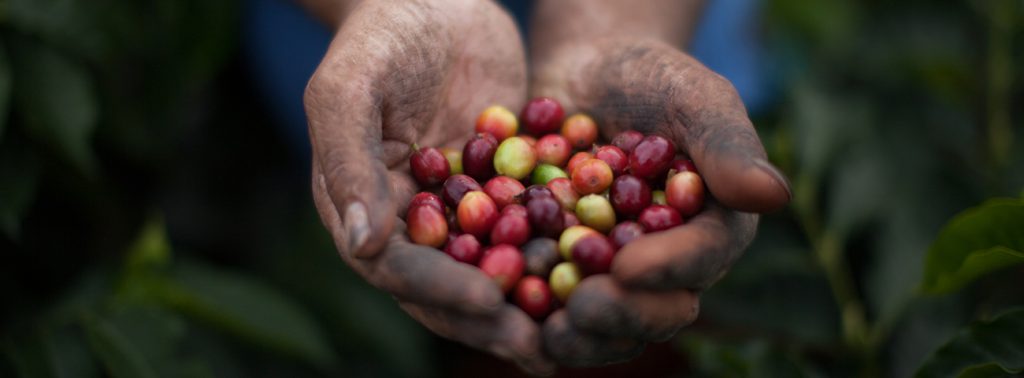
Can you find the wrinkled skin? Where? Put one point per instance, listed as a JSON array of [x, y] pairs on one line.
[[400, 72], [655, 284]]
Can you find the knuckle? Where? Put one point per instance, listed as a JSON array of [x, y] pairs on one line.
[[314, 88], [592, 310], [691, 315]]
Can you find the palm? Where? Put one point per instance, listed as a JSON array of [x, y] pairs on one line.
[[433, 84], [654, 88], [398, 73]]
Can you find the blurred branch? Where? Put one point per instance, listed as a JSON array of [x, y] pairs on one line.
[[1000, 78], [828, 250]]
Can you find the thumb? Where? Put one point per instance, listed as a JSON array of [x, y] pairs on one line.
[[656, 89], [345, 132], [722, 142]]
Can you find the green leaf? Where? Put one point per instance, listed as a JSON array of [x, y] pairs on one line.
[[5, 87], [856, 188], [753, 358], [776, 289], [55, 99], [983, 371], [370, 331], [31, 355], [155, 335], [71, 353], [19, 175], [151, 249], [119, 355], [977, 264], [926, 324], [976, 242], [975, 350], [72, 24], [250, 310]]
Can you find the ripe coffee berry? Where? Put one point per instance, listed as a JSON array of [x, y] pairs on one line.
[[685, 192], [591, 176], [504, 264], [561, 189], [464, 248], [534, 191], [497, 121], [576, 159], [569, 237], [683, 165], [427, 199], [651, 157], [514, 209], [510, 229], [541, 116], [570, 219], [553, 149], [625, 232], [570, 222], [614, 157], [533, 295], [545, 214], [478, 157], [456, 187], [503, 190], [429, 166], [427, 226], [593, 254], [627, 140], [659, 217], [580, 130], [630, 195], [477, 214]]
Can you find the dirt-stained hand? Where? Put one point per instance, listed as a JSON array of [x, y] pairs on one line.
[[400, 72], [655, 283]]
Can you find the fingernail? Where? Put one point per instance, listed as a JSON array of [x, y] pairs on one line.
[[488, 306], [537, 368], [780, 178], [502, 351], [357, 225]]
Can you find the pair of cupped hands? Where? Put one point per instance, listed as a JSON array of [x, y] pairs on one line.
[[406, 72]]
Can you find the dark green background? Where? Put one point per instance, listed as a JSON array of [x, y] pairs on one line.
[[152, 223]]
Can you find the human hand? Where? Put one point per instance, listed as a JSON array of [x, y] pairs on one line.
[[400, 72], [656, 280]]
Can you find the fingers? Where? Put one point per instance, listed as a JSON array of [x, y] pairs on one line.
[[509, 334], [654, 88], [600, 305], [345, 131], [571, 347], [723, 144], [415, 273], [691, 256], [424, 275]]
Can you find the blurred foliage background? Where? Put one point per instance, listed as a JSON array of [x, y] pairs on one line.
[[153, 223]]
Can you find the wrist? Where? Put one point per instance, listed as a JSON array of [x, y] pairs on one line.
[[567, 22], [333, 13], [565, 34]]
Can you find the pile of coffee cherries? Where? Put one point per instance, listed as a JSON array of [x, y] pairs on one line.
[[545, 217]]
